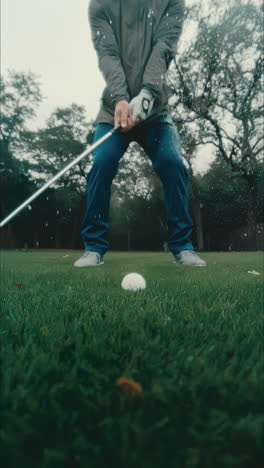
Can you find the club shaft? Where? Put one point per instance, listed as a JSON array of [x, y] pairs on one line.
[[56, 177]]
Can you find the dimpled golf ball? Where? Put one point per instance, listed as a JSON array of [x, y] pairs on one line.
[[133, 282]]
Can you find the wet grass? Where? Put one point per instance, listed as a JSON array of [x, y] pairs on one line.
[[193, 340]]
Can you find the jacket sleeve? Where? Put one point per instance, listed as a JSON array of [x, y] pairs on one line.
[[107, 51], [165, 40]]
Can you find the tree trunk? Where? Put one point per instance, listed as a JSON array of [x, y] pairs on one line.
[[36, 239], [74, 232], [199, 223], [8, 240], [58, 236], [128, 240], [209, 241], [251, 219]]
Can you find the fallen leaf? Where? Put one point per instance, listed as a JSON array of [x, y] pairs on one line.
[[128, 386]]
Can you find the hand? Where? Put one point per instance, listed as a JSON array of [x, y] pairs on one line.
[[141, 106], [123, 116]]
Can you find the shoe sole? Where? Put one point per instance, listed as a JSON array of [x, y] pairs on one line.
[[86, 266], [189, 264]]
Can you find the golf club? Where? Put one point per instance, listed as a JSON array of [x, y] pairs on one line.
[[56, 177]]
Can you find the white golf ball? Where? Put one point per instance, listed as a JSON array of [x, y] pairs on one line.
[[133, 282]]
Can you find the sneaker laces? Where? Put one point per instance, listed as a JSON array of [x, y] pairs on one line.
[[88, 253]]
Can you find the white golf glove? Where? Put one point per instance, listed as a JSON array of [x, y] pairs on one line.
[[141, 106]]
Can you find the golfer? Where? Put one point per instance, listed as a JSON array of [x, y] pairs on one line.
[[135, 42]]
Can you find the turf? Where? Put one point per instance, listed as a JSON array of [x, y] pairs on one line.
[[193, 340]]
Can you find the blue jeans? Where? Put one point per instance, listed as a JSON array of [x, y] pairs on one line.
[[160, 140]]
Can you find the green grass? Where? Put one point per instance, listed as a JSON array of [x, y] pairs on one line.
[[193, 340]]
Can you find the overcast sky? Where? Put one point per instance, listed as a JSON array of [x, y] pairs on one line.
[[52, 39]]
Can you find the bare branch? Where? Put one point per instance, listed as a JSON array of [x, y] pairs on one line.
[[252, 88], [233, 112], [255, 144], [208, 142], [258, 151], [231, 139]]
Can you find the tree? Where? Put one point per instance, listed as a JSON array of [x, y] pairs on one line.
[[15, 186], [219, 93], [20, 97], [52, 148], [57, 144], [223, 197]]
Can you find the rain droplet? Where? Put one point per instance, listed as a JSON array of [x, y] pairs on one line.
[[29, 207], [98, 33], [70, 209], [151, 13], [47, 198], [46, 224], [58, 211]]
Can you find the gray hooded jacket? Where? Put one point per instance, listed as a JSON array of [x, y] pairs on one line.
[[135, 42]]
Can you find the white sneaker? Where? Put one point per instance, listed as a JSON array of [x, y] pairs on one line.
[[189, 257], [89, 258]]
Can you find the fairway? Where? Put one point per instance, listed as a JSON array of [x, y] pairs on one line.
[[193, 340]]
